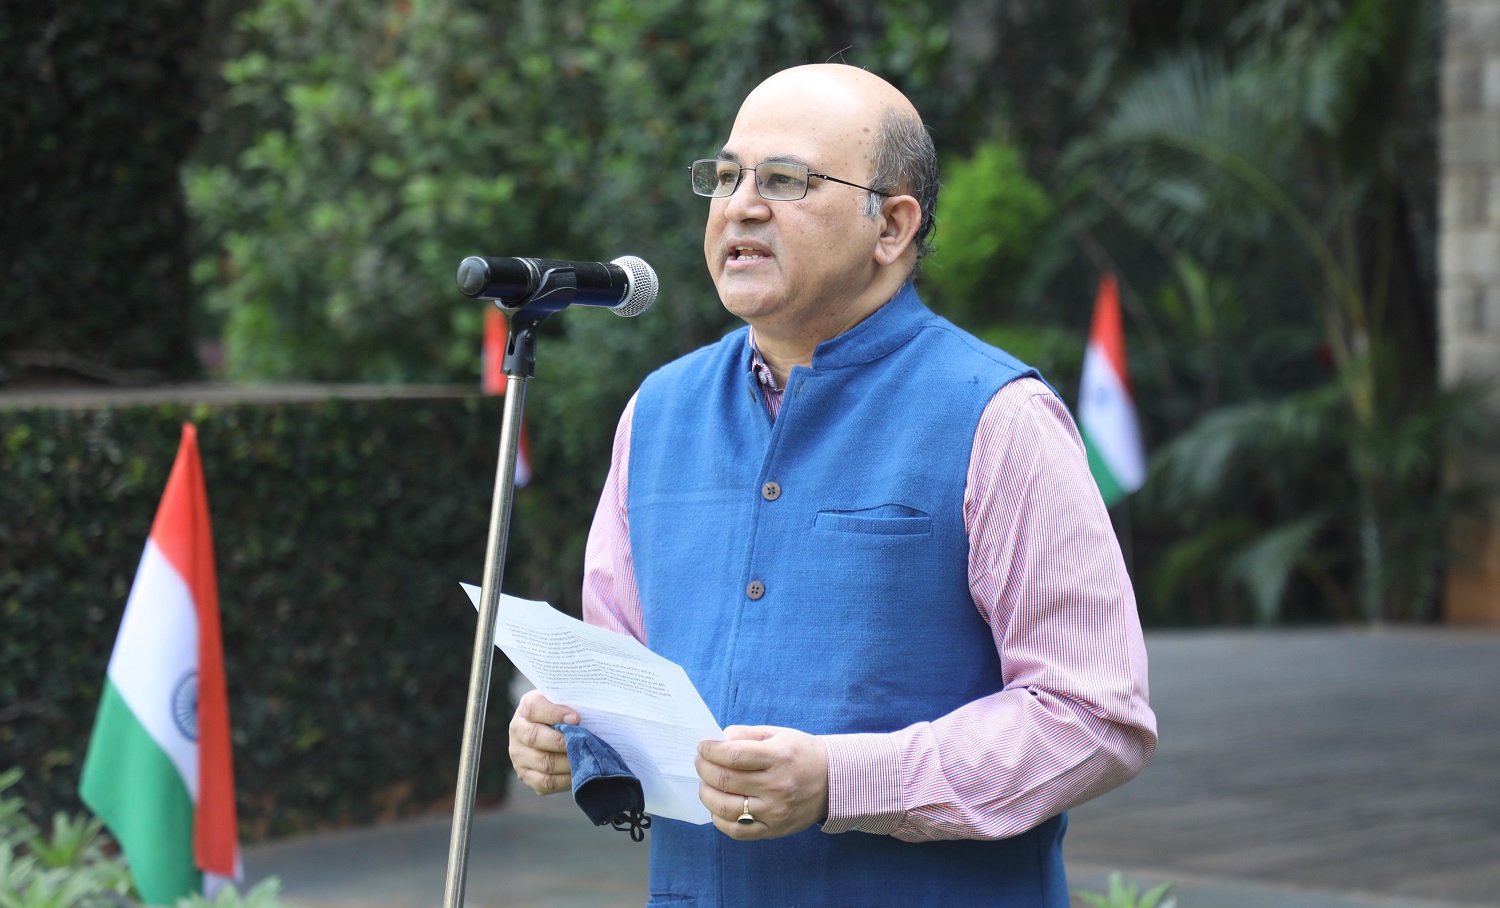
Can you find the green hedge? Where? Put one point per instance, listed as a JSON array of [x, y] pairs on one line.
[[342, 529]]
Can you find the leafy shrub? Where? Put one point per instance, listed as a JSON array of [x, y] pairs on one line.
[[989, 216], [72, 867], [79, 867], [1127, 895]]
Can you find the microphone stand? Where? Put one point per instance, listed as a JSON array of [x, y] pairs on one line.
[[554, 293]]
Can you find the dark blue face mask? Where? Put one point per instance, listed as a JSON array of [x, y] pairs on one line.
[[603, 786]]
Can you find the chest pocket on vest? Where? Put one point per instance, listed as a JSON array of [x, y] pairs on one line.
[[883, 520]]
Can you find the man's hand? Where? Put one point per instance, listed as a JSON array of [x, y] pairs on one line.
[[538, 751], [784, 773]]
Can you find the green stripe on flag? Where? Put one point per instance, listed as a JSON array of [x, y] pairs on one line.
[[1109, 487], [136, 790]]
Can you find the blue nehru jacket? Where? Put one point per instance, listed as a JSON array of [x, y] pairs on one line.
[[812, 572]]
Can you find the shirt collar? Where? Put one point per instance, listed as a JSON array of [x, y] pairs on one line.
[[758, 366]]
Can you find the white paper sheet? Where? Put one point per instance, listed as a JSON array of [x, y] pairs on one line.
[[642, 704]]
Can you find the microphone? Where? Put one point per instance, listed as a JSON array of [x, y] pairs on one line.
[[625, 286]]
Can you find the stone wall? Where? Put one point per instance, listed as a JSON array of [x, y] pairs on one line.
[[1469, 278]]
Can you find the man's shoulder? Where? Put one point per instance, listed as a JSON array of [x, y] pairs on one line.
[[965, 351]]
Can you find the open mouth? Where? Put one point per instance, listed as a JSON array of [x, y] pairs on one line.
[[747, 254]]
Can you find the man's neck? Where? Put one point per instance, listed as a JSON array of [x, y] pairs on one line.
[[780, 356], [786, 346]]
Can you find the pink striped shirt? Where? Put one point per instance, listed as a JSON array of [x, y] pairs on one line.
[[1046, 574]]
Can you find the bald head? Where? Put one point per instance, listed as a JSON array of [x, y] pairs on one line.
[[804, 269], [851, 104], [837, 80]]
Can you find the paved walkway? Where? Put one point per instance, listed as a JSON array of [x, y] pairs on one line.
[[1298, 769]]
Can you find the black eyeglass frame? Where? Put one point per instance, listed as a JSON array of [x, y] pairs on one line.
[[755, 170]]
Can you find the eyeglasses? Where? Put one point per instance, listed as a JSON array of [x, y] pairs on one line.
[[776, 181]]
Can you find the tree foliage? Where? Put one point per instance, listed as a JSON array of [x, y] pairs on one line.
[[393, 140], [1293, 146], [95, 257], [1258, 174], [992, 213]]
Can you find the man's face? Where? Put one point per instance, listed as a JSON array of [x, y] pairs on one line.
[[795, 266]]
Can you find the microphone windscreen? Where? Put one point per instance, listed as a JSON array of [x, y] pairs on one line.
[[642, 281]]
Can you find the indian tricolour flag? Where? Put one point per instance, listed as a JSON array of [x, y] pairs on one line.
[[1106, 405], [158, 770]]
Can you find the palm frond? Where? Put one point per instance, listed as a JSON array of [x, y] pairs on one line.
[[1201, 556], [1207, 457], [1200, 153], [1265, 566]]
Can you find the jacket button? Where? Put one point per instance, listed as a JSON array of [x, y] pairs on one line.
[[770, 491], [755, 590]]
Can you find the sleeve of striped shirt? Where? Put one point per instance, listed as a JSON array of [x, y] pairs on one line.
[[1073, 720], [610, 596]]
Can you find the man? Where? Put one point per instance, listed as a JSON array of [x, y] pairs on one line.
[[869, 538]]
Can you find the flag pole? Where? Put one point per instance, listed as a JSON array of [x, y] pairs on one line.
[[484, 634], [1123, 534]]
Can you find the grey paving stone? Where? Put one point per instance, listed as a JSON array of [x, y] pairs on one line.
[[1297, 769]]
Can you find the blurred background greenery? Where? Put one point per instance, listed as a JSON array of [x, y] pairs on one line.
[[274, 190], [295, 181]]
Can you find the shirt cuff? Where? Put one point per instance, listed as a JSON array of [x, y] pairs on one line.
[[864, 783]]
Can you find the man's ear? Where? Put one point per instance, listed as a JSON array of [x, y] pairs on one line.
[[900, 216]]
